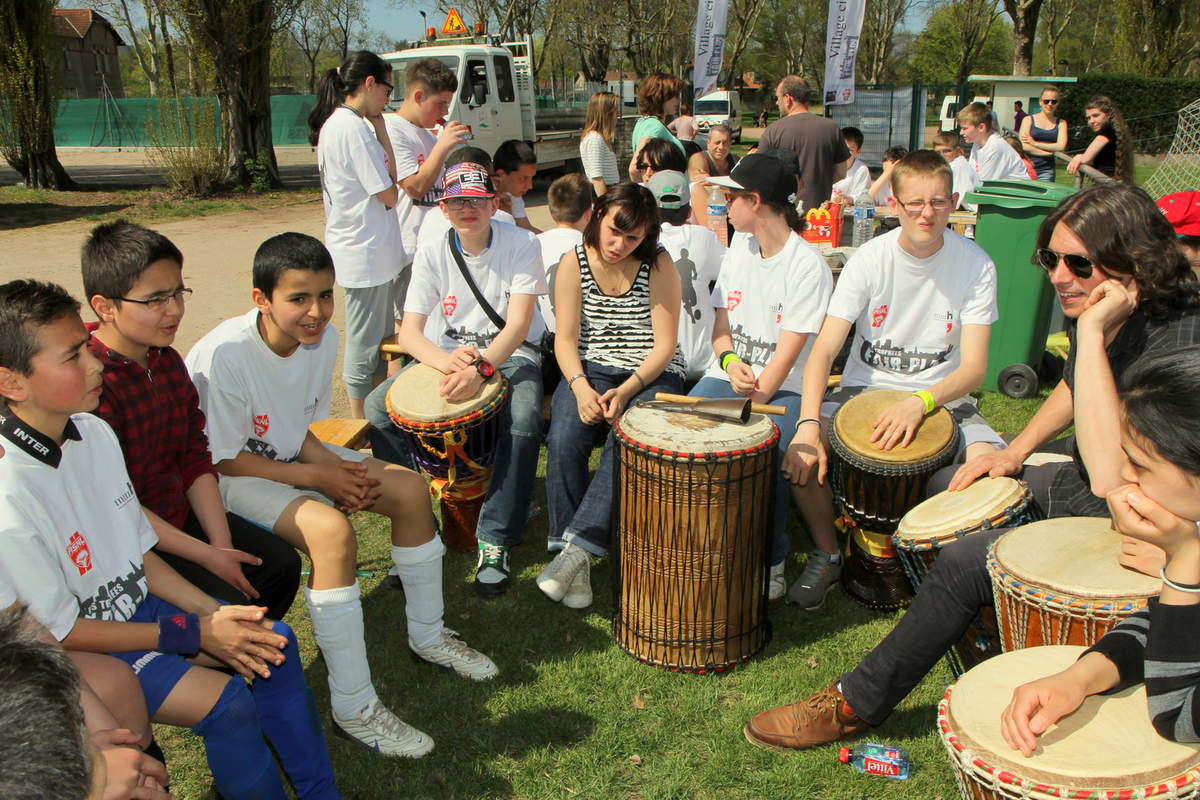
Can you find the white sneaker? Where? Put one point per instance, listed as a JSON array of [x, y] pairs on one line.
[[453, 653], [377, 728], [579, 592], [776, 582], [556, 579]]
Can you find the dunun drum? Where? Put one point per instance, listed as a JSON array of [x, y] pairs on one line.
[[693, 520], [453, 444], [987, 504], [1106, 750], [875, 488], [1058, 582]]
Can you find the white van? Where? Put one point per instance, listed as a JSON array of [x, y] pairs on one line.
[[950, 109], [716, 108]]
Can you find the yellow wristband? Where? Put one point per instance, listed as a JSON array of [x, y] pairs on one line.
[[927, 398], [727, 358]]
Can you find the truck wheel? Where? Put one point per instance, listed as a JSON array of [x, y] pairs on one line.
[[1018, 380]]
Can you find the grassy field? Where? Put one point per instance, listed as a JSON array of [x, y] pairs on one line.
[[573, 716]]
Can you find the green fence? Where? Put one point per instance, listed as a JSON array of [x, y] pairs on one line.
[[132, 121]]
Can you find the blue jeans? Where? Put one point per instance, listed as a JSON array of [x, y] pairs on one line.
[[716, 387], [579, 512], [506, 506]]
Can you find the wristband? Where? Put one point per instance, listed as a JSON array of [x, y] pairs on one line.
[[641, 382], [1189, 588], [807, 421], [179, 633], [926, 398], [727, 357], [574, 378]]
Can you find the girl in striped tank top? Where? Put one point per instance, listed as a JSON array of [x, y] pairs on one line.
[[617, 300]]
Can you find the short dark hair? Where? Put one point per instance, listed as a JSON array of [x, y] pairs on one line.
[[25, 307], [117, 253], [853, 135], [44, 744], [661, 154], [510, 155], [895, 152], [430, 75], [285, 251], [1158, 396], [469, 155], [636, 210], [675, 216], [570, 196]]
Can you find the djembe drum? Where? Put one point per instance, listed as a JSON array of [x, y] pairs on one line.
[[876, 488], [1106, 750], [693, 526], [1058, 582], [453, 444]]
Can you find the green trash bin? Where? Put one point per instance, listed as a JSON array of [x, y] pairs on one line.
[[1010, 213]]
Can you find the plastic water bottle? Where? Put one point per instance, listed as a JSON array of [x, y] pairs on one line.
[[877, 759], [864, 219], [718, 215]]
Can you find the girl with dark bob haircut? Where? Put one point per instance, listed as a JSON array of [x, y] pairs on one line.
[[635, 211]]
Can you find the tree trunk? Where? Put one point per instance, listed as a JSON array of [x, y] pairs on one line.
[[1024, 16]]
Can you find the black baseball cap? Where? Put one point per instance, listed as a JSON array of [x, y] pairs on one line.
[[771, 174]]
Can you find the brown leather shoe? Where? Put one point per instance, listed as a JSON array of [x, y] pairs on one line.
[[818, 719]]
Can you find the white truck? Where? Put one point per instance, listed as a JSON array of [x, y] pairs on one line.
[[496, 99], [719, 108]]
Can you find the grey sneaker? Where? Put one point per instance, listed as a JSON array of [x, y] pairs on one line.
[[819, 576], [378, 729], [491, 571], [557, 578], [579, 592], [776, 582], [453, 653]]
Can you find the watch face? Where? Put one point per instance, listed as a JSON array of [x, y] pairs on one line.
[[485, 369]]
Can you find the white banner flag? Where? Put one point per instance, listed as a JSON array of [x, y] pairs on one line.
[[710, 44], [841, 48]]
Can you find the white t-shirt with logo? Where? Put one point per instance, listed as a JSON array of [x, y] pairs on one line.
[[996, 160], [255, 400], [435, 225], [554, 243], [697, 254], [909, 312], [765, 296], [72, 532], [857, 180], [411, 145], [361, 233], [511, 264]]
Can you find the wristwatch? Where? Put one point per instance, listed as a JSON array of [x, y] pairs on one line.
[[484, 368]]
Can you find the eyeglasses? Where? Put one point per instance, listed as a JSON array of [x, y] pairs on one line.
[[642, 165], [915, 207], [159, 302], [1080, 265], [385, 83], [459, 203]]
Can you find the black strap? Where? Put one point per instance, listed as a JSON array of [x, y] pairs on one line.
[[452, 241]]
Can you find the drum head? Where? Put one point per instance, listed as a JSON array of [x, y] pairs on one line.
[[852, 424], [414, 395], [947, 512], [1082, 749], [677, 432], [1072, 555]]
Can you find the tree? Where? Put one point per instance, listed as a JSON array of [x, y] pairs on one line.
[[1146, 35], [1024, 16], [1056, 15], [955, 40], [740, 26], [310, 30], [346, 17], [28, 61], [879, 27]]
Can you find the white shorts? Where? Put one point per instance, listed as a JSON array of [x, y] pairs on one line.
[[263, 501]]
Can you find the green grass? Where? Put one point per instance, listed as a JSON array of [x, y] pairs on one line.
[[573, 716]]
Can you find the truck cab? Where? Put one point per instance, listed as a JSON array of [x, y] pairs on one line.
[[717, 108]]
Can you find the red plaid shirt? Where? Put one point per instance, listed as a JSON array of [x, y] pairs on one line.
[[156, 415]]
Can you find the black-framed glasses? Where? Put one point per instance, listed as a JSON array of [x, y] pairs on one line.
[[914, 207], [1080, 265], [385, 83], [459, 203], [159, 302]]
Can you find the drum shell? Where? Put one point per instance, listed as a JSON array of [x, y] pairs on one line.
[[693, 545]]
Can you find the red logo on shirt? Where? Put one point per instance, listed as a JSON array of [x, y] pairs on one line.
[[77, 551], [449, 304], [262, 424], [879, 315], [732, 300]]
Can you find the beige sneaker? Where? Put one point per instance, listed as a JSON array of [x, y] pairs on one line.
[[557, 578], [453, 653], [776, 582], [579, 593], [378, 729]]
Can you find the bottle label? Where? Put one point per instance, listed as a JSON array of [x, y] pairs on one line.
[[876, 766], [716, 211]]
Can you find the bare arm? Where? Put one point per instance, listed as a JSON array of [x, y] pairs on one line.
[[635, 174], [1088, 155], [806, 457], [776, 370], [568, 308], [420, 182], [697, 167], [599, 186]]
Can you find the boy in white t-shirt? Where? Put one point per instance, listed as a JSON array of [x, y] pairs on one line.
[[697, 254], [881, 187], [263, 378], [923, 300], [445, 327], [858, 176], [514, 167], [991, 156], [434, 226], [570, 199], [966, 179], [418, 153]]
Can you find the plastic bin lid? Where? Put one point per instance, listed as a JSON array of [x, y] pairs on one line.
[[1019, 194]]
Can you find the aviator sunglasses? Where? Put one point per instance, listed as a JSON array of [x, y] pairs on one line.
[[1081, 266]]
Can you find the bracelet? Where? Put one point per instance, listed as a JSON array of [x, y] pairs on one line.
[[639, 380], [179, 633], [727, 357], [574, 378], [926, 398], [807, 421], [1189, 588]]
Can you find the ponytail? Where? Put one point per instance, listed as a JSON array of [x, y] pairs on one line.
[[792, 217], [336, 84], [327, 100]]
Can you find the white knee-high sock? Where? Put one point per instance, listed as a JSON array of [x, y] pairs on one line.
[[420, 570], [337, 620]]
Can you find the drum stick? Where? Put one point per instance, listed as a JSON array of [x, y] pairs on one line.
[[756, 408]]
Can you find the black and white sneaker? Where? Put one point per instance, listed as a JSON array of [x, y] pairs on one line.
[[491, 570]]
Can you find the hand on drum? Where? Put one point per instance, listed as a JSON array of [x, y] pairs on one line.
[[462, 357], [993, 464], [347, 483], [1141, 557], [461, 385], [1108, 306], [897, 424], [1037, 705], [591, 410], [805, 453], [741, 378], [1137, 516]]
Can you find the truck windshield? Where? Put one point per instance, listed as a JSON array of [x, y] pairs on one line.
[[400, 68], [720, 107]]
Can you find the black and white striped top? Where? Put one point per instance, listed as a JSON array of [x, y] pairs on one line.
[[615, 330]]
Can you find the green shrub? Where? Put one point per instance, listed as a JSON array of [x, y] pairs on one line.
[[186, 144]]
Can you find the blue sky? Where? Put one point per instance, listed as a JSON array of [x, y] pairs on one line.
[[401, 21]]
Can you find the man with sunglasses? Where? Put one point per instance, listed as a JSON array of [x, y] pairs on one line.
[[1128, 293]]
